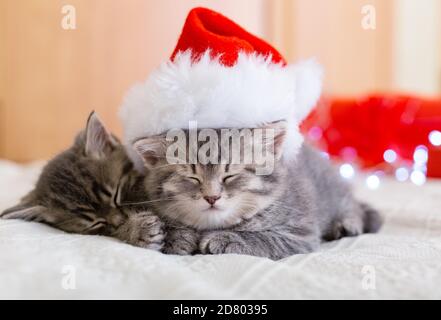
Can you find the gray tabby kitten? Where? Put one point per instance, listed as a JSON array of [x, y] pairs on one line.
[[226, 208], [89, 188]]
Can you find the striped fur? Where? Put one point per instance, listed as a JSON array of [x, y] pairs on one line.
[[82, 190], [287, 212]]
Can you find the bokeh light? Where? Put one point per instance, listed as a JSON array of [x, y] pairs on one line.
[[418, 177], [435, 138], [390, 156], [421, 155], [315, 133], [402, 174], [373, 182], [347, 171]]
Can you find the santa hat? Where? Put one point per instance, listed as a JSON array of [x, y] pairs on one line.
[[222, 76]]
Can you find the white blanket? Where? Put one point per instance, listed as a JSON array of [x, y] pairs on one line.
[[402, 261]]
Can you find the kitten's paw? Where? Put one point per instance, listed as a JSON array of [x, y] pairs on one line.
[[142, 229], [179, 247], [219, 242], [346, 228], [181, 242], [151, 231]]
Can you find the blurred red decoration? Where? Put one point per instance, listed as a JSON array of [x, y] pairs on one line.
[[365, 128]]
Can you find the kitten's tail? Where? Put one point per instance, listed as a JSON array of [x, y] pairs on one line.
[[372, 221]]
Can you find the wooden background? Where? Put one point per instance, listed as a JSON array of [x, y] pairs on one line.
[[51, 78]]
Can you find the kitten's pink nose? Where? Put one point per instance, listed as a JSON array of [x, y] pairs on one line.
[[211, 199]]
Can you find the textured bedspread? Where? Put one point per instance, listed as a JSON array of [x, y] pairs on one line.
[[402, 261]]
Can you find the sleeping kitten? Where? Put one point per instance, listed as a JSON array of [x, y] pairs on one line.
[[228, 208], [89, 188]]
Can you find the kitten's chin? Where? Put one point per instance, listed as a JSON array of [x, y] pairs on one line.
[[207, 218]]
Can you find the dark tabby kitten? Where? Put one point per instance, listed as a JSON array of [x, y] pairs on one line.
[[229, 209], [89, 188]]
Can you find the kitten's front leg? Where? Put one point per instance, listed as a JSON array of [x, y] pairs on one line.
[[274, 244], [181, 240], [142, 229]]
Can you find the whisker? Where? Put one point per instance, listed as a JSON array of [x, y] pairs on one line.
[[166, 165], [149, 201]]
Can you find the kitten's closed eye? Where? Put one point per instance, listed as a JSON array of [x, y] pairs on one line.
[[116, 200], [194, 180], [229, 178], [105, 191]]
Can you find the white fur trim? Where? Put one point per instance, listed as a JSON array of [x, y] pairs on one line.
[[253, 92]]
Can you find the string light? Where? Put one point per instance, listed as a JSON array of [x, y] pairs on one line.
[[435, 138], [390, 156], [348, 153], [420, 167], [315, 133], [373, 182], [402, 174], [418, 177], [347, 171], [420, 155], [402, 170]]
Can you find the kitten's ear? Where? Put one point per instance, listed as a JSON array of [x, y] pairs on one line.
[[27, 212], [151, 149], [278, 131], [99, 142]]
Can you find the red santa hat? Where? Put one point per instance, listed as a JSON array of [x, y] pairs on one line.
[[222, 76]]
